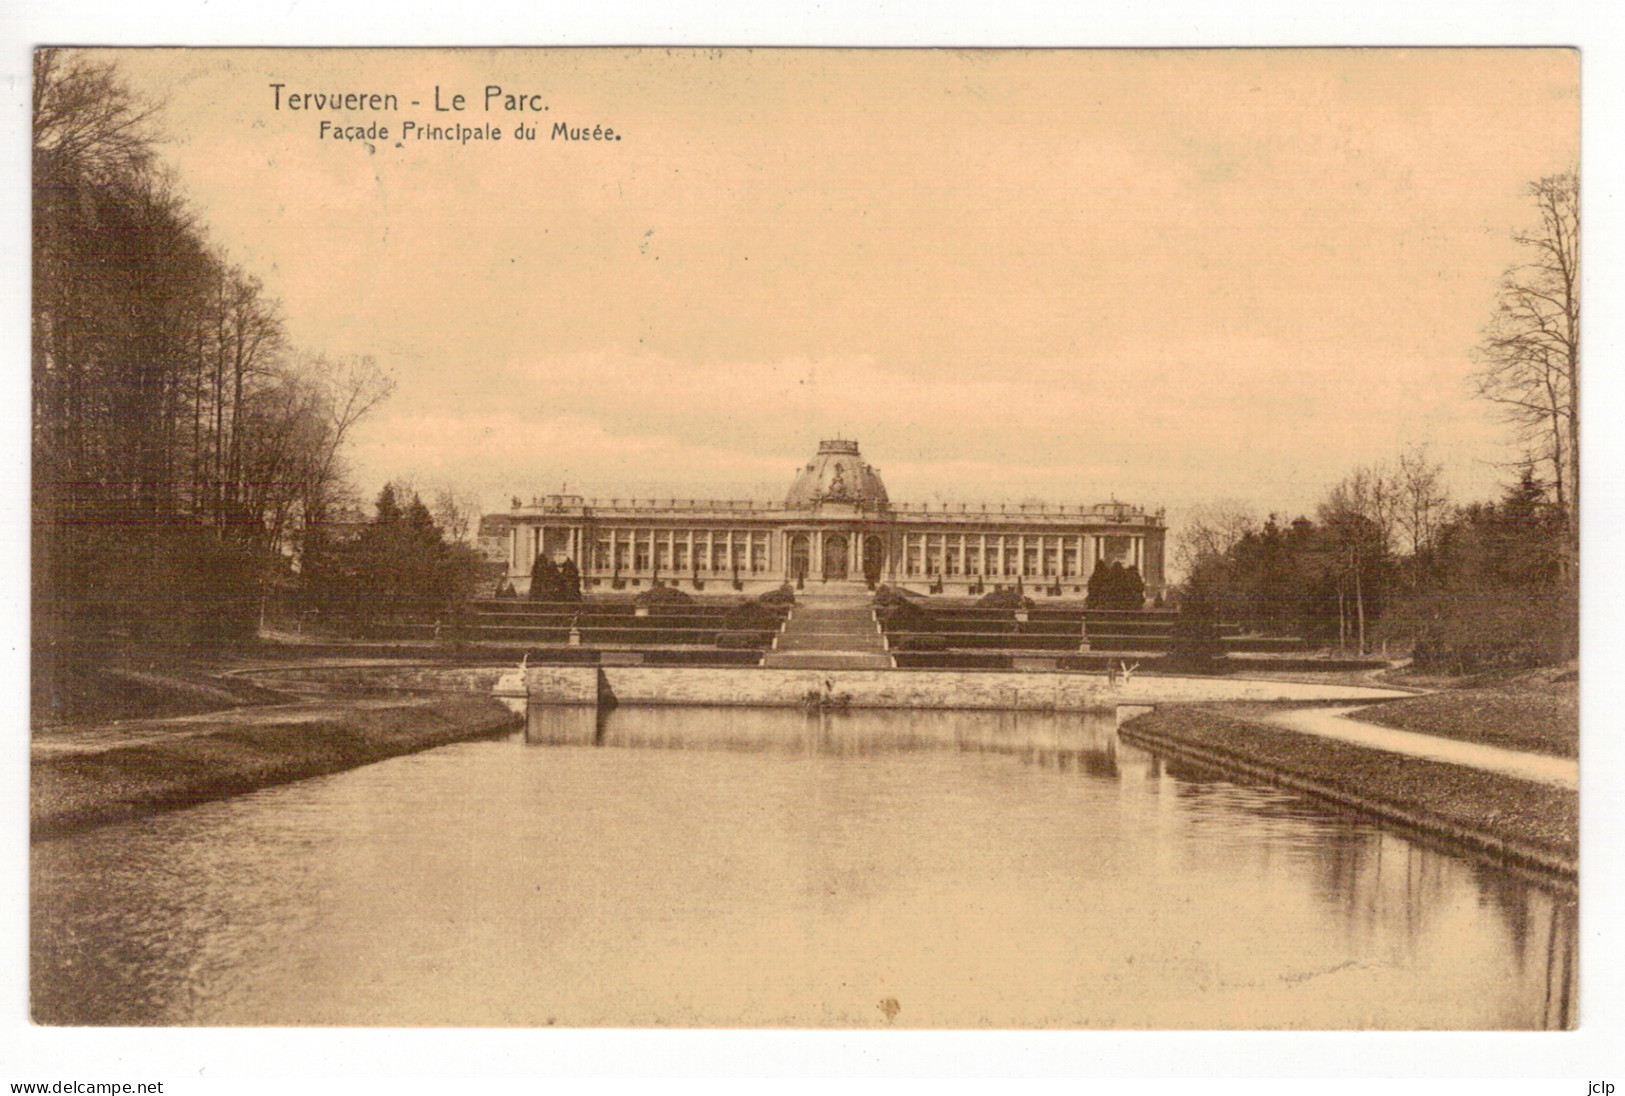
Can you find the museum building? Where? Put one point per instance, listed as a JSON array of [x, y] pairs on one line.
[[836, 524]]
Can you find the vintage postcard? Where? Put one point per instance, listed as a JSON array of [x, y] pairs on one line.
[[805, 538]]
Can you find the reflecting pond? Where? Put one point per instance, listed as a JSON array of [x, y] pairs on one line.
[[767, 867]]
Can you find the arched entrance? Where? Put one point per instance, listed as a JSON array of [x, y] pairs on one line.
[[874, 559], [834, 556], [800, 557]]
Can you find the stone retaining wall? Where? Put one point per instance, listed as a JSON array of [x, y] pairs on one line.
[[655, 685], [1505, 847]]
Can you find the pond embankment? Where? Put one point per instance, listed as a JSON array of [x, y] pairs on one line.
[[985, 690], [95, 774], [1525, 822]]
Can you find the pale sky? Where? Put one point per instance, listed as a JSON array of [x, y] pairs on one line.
[[1165, 277]]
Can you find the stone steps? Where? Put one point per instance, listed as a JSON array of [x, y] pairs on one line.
[[829, 641], [830, 633], [826, 660]]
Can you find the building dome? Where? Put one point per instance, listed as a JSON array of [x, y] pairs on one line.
[[837, 474]]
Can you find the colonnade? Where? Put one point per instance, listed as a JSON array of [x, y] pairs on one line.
[[631, 550], [707, 550], [1009, 555]]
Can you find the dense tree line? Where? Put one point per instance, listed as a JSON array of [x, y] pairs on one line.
[[400, 566], [1475, 587], [1325, 581], [183, 451], [1496, 589], [1489, 585]]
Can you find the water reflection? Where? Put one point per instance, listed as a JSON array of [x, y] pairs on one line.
[[774, 867], [1082, 741]]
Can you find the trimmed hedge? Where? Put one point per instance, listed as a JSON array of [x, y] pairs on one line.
[[919, 641], [950, 660], [784, 597], [1005, 599], [739, 657], [662, 596], [750, 624]]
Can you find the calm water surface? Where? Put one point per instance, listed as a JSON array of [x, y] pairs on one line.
[[769, 867]]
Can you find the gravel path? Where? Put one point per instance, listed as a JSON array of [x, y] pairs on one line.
[[1560, 772]]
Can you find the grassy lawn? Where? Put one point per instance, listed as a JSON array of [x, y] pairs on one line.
[[139, 685], [1543, 719], [76, 789], [1489, 803]]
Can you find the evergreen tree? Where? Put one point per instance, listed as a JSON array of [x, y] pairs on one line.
[[1130, 589], [544, 580], [569, 581], [1196, 643]]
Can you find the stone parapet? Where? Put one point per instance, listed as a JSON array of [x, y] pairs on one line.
[[562, 684], [992, 690]]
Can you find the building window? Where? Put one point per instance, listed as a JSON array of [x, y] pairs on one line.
[[679, 560], [973, 559], [601, 558]]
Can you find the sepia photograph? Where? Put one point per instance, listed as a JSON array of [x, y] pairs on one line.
[[789, 538]]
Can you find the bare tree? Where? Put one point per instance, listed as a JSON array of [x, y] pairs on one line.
[[1210, 529], [1360, 514], [1530, 357], [1423, 504], [352, 387], [87, 123], [179, 449], [457, 512]]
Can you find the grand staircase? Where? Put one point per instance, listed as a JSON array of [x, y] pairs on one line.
[[830, 630]]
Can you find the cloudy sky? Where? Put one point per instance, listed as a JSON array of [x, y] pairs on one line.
[[1166, 277]]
